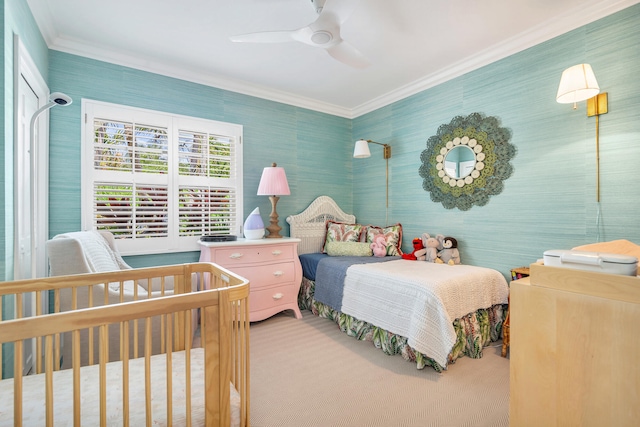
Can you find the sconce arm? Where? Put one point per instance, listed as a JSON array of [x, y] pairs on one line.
[[386, 148]]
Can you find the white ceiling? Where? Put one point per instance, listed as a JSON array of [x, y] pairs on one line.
[[411, 44]]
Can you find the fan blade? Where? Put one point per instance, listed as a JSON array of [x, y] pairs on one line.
[[265, 37], [341, 9], [347, 54]]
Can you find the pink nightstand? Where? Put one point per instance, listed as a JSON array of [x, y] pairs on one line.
[[272, 267]]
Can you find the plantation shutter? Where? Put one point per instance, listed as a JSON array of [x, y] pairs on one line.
[[158, 182], [207, 195], [130, 191]]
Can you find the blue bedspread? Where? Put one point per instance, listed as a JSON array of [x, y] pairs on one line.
[[330, 274], [310, 264]]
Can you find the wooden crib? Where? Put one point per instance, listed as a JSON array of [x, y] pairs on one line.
[[193, 367]]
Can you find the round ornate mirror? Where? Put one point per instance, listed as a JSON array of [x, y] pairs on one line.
[[459, 162], [467, 161]]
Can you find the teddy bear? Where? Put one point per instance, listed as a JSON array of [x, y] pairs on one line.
[[449, 252], [418, 251], [379, 245], [431, 245]]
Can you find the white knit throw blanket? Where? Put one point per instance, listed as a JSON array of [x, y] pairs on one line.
[[98, 254], [420, 300]]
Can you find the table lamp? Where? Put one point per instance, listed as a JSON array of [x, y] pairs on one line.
[[273, 183]]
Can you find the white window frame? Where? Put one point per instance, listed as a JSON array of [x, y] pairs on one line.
[[172, 242]]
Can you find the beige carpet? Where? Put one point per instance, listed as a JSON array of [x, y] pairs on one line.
[[308, 373]]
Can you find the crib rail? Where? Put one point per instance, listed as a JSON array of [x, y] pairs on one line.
[[221, 314]]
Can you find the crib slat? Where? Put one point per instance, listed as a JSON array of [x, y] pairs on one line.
[[17, 382], [125, 374], [212, 371], [48, 362], [187, 383], [224, 355], [105, 288], [169, 373], [38, 340], [244, 397], [162, 318], [147, 370], [181, 289], [75, 361], [90, 329], [56, 309], [18, 306], [103, 359]]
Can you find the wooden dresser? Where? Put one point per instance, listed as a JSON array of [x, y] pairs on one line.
[[575, 349], [271, 266]]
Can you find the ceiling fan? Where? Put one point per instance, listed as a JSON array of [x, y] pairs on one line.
[[324, 33]]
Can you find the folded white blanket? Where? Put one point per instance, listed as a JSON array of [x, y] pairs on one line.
[[420, 300]]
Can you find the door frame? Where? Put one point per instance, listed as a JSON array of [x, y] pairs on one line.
[[38, 218], [25, 66]]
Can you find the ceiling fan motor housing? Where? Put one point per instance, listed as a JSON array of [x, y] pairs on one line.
[[321, 37]]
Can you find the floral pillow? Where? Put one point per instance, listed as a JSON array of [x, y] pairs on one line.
[[341, 232], [349, 249], [392, 234]]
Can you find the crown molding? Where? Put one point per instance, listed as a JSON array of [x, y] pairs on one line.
[[576, 18], [182, 73], [559, 25]]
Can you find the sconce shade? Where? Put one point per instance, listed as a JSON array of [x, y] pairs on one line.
[[361, 150], [273, 182], [578, 83]]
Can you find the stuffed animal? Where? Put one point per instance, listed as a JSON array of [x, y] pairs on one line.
[[418, 250], [379, 245], [449, 252], [431, 244]]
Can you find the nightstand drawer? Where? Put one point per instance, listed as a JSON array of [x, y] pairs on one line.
[[271, 265], [229, 257], [262, 276], [272, 297]]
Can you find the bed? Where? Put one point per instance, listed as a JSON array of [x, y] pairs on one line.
[[430, 313], [199, 377]]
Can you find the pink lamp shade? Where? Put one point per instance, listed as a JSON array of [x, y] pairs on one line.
[[273, 182]]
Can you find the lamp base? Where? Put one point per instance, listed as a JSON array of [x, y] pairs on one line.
[[274, 228]]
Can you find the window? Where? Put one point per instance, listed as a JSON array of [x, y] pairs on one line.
[[159, 181]]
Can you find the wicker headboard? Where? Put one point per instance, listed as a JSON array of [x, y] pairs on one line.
[[309, 225]]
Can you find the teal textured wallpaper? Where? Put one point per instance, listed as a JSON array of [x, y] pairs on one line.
[[314, 148], [550, 200]]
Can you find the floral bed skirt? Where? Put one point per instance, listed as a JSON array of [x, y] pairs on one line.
[[474, 331]]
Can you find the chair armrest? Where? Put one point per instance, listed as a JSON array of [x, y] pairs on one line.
[[66, 257]]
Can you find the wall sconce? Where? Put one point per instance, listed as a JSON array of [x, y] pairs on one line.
[[361, 151], [273, 183], [578, 83]]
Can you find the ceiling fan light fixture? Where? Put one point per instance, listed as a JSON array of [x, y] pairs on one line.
[[323, 33], [321, 37]]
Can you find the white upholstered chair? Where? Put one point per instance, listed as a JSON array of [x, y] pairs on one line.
[[82, 252], [96, 252]]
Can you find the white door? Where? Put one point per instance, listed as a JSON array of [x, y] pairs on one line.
[[27, 105], [30, 187]]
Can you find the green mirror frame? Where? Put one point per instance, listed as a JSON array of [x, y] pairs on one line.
[[492, 152]]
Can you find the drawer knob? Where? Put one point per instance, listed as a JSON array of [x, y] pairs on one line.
[[276, 252], [235, 255], [278, 273], [278, 296]]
